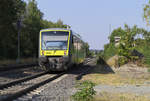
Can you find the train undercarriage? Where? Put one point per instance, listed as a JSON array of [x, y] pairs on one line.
[[58, 63]]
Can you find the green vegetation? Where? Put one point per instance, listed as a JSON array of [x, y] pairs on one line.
[[132, 45], [31, 22], [85, 46], [86, 91], [109, 51], [147, 13], [122, 61]]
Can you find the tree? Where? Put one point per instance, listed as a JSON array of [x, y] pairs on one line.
[[33, 23], [32, 26], [117, 32], [10, 12], [86, 48], [147, 13]]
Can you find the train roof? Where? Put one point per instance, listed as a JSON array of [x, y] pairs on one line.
[[55, 29]]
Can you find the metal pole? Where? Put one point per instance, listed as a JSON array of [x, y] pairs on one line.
[[18, 25], [77, 52]]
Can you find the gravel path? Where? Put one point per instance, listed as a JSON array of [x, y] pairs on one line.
[[130, 71], [138, 90]]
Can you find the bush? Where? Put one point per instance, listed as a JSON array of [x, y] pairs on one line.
[[109, 51], [86, 91], [145, 50], [122, 60]]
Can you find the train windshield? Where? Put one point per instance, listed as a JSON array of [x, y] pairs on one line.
[[54, 40]]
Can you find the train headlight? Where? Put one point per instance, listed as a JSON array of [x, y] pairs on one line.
[[65, 52], [42, 52]]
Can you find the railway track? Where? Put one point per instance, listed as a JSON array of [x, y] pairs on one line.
[[9, 84], [15, 89]]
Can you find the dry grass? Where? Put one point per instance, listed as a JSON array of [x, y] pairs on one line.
[[111, 79], [120, 97], [99, 77]]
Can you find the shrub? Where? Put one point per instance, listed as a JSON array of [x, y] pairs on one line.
[[122, 60], [86, 91], [109, 51]]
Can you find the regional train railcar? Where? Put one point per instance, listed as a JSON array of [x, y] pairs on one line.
[[59, 49]]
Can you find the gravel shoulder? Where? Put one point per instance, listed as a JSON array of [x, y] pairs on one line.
[[128, 79], [137, 90]]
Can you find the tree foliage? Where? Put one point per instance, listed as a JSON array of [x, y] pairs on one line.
[[126, 45], [131, 40], [147, 13], [117, 32], [12, 11], [32, 25], [85, 46]]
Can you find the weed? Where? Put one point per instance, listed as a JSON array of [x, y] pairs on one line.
[[86, 91]]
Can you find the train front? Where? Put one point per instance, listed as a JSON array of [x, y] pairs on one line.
[[54, 49]]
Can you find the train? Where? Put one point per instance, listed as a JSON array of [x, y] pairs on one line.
[[60, 49]]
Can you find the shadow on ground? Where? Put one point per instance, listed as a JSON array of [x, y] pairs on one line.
[[101, 67], [16, 74]]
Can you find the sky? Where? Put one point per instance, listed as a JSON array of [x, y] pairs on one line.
[[94, 19]]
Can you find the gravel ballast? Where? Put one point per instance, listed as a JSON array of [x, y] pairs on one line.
[[55, 91], [58, 90]]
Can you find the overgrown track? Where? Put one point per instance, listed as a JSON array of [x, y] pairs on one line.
[[13, 67], [13, 92]]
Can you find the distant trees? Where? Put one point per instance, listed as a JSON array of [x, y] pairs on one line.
[[87, 50], [11, 11]]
